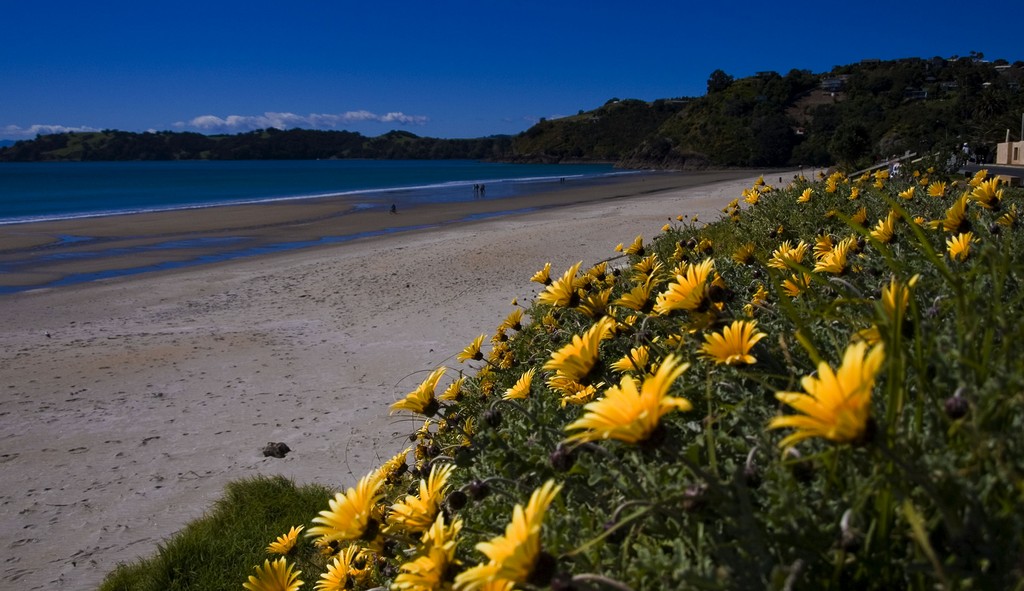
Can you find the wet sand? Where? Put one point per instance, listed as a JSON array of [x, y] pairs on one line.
[[127, 404]]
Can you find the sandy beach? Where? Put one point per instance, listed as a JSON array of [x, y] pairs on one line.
[[127, 404]]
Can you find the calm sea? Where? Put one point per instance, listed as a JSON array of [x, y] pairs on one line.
[[47, 191]]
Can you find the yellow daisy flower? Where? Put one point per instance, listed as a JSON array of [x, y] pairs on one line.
[[835, 405], [350, 516], [896, 297], [339, 571], [521, 389], [854, 193], [744, 255], [885, 229], [454, 389], [286, 542], [860, 216], [937, 189], [274, 576], [543, 276], [417, 513], [576, 359], [689, 292], [959, 246], [421, 400], [512, 556], [638, 298], [908, 194], [805, 197], [835, 262], [396, 466], [796, 284], [988, 194], [629, 414], [787, 254], [563, 291], [635, 362], [732, 346], [472, 351], [429, 570], [956, 217], [979, 177]]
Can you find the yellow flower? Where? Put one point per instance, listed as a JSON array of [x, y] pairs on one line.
[[1009, 219], [635, 362], [629, 414], [689, 292], [908, 194], [805, 197], [396, 466], [512, 556], [417, 513], [860, 216], [732, 346], [286, 542], [896, 297], [744, 255], [987, 194], [979, 177], [514, 320], [956, 216], [854, 193], [666, 227], [562, 292], [274, 576], [835, 261], [885, 229], [576, 359], [521, 389], [638, 298], [835, 405], [421, 400], [472, 351], [339, 570], [796, 284], [637, 247], [595, 304], [429, 570], [959, 246], [822, 246], [543, 276], [787, 254], [351, 514], [648, 269], [937, 189], [454, 389]]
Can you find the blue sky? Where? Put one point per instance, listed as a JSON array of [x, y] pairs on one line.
[[435, 68]]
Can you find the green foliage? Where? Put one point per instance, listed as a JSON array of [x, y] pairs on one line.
[[928, 494], [266, 144], [218, 551]]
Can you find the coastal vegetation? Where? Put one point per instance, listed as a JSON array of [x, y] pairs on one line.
[[853, 114], [820, 390]]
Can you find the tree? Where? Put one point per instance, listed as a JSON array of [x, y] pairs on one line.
[[719, 81], [850, 143]]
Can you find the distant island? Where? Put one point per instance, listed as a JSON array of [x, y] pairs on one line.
[[850, 115]]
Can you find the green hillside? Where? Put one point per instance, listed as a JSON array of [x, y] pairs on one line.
[[851, 115]]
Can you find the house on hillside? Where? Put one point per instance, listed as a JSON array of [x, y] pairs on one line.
[[1010, 153]]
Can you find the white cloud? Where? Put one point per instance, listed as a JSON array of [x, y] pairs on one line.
[[291, 120], [15, 132]]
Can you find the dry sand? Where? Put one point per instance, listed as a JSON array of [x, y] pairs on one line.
[[151, 392]]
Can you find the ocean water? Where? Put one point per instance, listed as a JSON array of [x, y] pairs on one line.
[[61, 190]]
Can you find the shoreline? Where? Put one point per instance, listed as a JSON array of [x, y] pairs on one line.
[[127, 405], [54, 254]]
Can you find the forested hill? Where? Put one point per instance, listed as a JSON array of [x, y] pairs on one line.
[[850, 115], [265, 144]]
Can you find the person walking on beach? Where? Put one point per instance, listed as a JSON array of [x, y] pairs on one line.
[[394, 208]]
